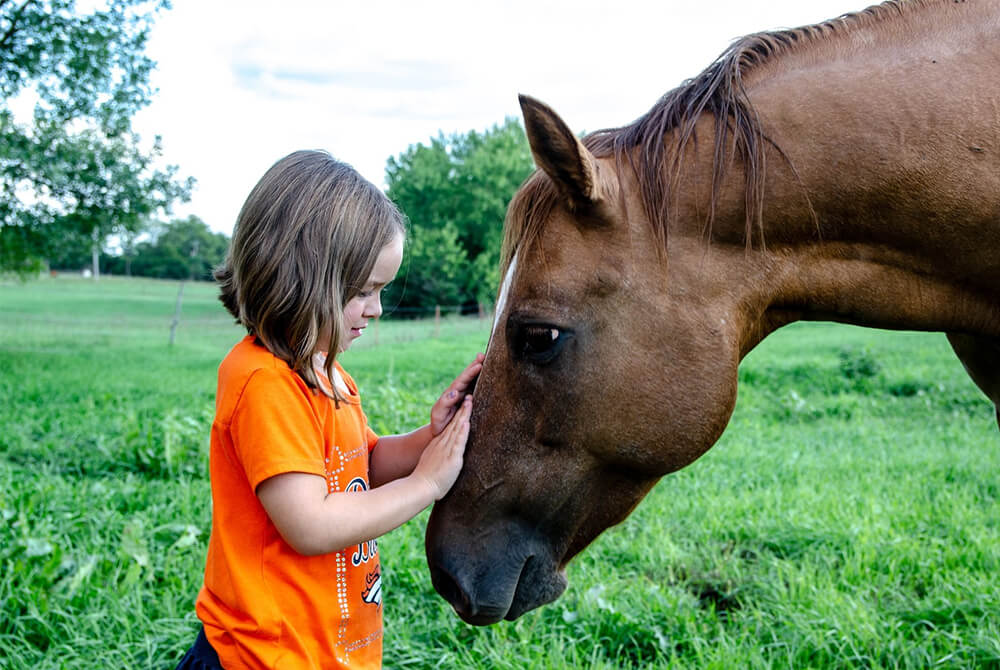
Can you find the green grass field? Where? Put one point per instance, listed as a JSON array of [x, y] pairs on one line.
[[848, 518]]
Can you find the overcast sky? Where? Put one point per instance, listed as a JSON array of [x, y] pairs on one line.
[[242, 84]]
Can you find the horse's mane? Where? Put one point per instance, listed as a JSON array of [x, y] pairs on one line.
[[719, 90]]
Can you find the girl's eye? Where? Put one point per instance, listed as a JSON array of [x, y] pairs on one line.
[[539, 343]]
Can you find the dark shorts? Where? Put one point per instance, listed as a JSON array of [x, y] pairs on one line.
[[200, 656]]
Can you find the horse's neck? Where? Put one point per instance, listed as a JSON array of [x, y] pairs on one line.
[[895, 137], [887, 211]]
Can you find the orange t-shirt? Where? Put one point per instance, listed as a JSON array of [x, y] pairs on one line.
[[265, 606]]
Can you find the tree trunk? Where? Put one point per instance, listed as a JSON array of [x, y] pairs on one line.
[[95, 254]]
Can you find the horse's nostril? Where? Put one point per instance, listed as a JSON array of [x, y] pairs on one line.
[[448, 587]]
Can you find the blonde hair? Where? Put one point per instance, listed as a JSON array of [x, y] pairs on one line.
[[304, 244]]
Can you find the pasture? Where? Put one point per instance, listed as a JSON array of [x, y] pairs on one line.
[[848, 517]]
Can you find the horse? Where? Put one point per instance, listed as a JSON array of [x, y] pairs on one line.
[[847, 171]]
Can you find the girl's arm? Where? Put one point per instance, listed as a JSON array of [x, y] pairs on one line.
[[395, 456], [313, 521]]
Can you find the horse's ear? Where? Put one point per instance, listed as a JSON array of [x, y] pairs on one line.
[[559, 153]]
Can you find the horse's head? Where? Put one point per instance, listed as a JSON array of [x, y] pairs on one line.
[[603, 373]]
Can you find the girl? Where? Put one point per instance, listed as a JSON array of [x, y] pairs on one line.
[[301, 486]]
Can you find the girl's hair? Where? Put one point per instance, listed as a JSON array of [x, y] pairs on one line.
[[305, 243]]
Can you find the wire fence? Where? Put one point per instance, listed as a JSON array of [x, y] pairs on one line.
[[426, 325], [65, 311], [32, 330]]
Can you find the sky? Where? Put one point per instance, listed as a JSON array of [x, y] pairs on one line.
[[239, 85]]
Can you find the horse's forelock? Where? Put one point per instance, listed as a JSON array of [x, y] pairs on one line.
[[531, 206]]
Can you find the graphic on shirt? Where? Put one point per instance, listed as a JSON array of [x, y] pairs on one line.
[[372, 594], [366, 551]]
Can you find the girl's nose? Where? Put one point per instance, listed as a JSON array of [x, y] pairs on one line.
[[374, 310]]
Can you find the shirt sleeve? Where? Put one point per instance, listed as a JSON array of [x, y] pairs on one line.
[[275, 429]]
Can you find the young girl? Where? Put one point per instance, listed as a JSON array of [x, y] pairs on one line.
[[301, 486]]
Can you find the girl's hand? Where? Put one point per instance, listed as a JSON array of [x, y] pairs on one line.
[[448, 403], [441, 461]]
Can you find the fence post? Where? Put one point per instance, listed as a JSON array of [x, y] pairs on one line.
[[177, 313], [437, 321]]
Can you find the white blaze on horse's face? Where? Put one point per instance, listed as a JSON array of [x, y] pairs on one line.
[[502, 299]]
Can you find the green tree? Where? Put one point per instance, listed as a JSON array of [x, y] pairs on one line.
[[455, 191], [433, 272], [75, 172], [183, 249]]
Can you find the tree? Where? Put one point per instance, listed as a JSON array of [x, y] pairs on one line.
[[456, 190], [433, 272], [75, 172], [183, 249]]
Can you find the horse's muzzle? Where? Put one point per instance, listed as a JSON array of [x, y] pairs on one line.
[[491, 576]]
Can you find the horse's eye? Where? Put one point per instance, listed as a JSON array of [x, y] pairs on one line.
[[540, 343]]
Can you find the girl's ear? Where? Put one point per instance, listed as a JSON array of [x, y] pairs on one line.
[[559, 154]]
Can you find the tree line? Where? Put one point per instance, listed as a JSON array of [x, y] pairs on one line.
[[454, 191], [179, 249], [78, 189]]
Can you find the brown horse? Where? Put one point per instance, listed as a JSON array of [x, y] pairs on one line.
[[847, 171]]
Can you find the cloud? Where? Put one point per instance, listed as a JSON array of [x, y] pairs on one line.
[[242, 84], [386, 76]]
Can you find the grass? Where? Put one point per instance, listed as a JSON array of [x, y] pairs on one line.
[[848, 518]]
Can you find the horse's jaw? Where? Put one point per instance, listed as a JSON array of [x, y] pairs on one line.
[[483, 590]]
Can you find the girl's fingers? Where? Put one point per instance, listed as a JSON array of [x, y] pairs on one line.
[[468, 374], [443, 411], [463, 431], [464, 412], [456, 391], [461, 415], [459, 424]]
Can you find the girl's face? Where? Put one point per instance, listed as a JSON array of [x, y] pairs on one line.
[[368, 304]]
